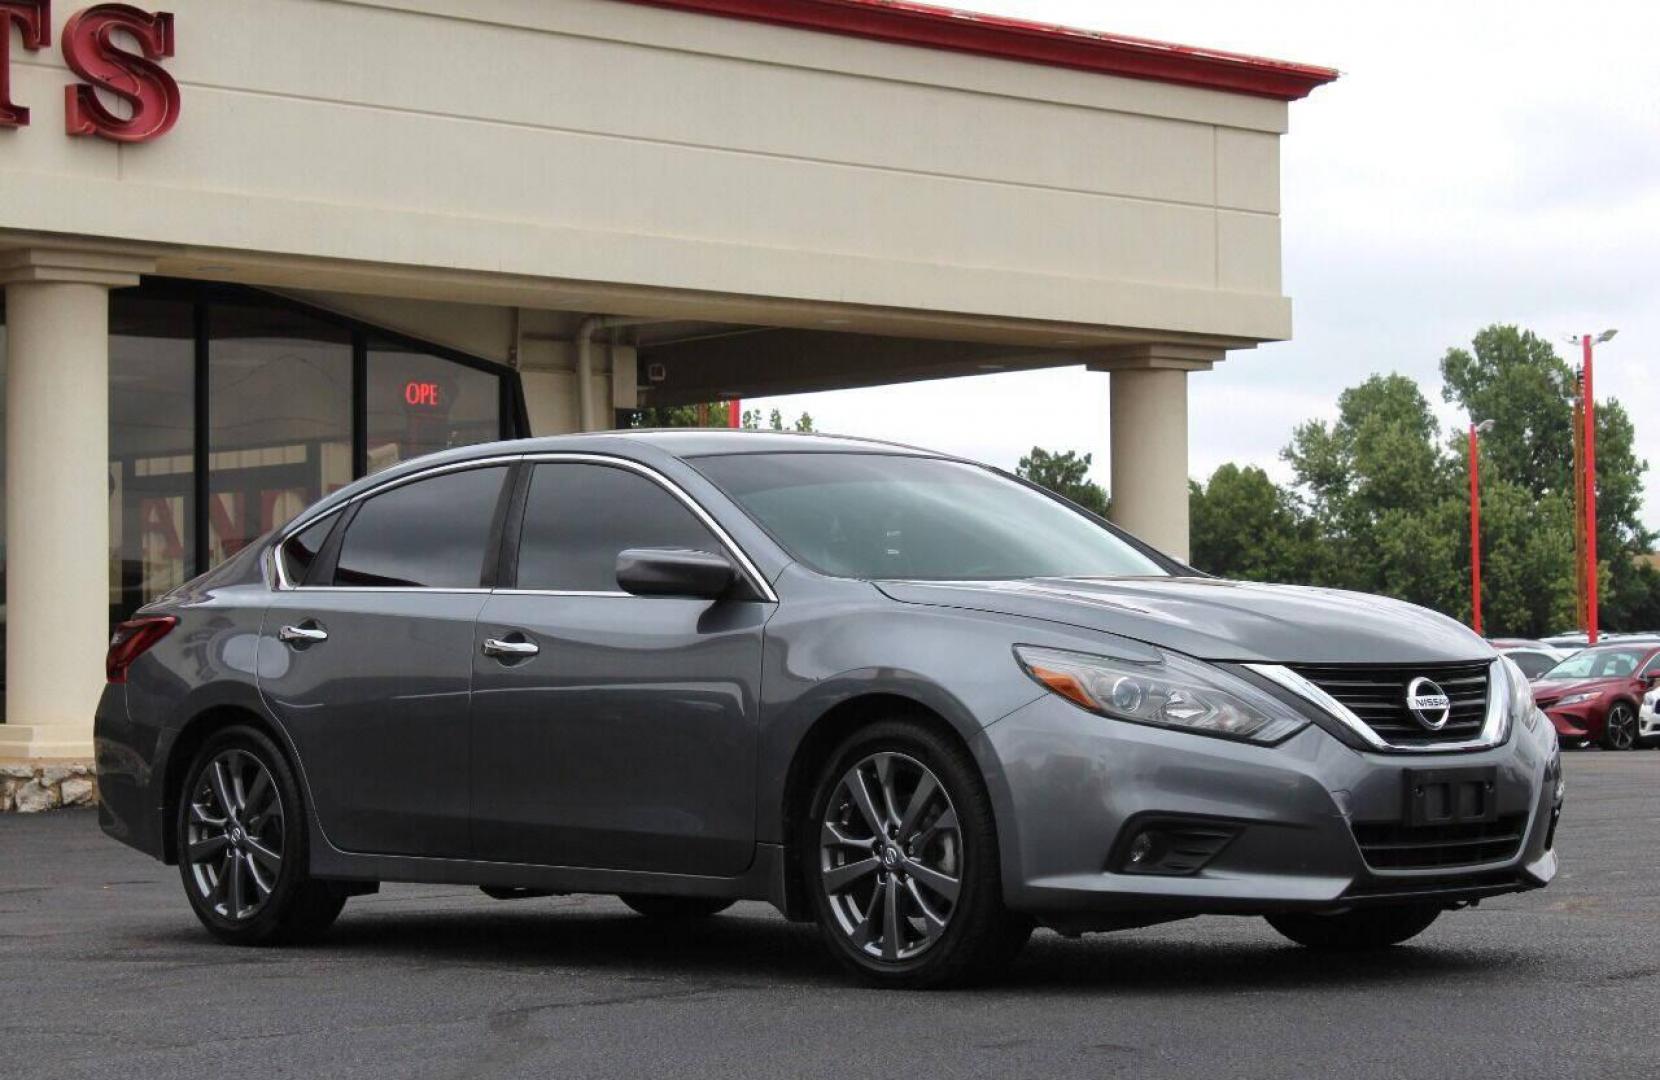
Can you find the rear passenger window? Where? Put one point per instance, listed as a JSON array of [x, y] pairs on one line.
[[1533, 664], [428, 534], [300, 550], [579, 517]]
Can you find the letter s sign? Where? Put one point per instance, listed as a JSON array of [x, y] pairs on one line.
[[90, 50]]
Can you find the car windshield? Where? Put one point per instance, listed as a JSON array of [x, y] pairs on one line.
[[890, 516], [1608, 662]]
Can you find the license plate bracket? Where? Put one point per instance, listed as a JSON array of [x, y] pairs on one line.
[[1451, 796]]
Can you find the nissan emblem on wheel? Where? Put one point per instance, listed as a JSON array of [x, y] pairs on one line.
[[916, 701]]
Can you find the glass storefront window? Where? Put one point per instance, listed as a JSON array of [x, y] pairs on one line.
[[280, 419], [419, 403], [152, 446]]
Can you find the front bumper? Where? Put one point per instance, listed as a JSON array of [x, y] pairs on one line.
[[1584, 721], [1070, 787]]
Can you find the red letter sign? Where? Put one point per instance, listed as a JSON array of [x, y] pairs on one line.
[[34, 22], [138, 80]]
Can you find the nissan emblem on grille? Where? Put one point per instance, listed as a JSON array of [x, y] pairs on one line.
[[1426, 702]]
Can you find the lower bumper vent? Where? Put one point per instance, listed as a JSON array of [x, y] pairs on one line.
[[1394, 846]]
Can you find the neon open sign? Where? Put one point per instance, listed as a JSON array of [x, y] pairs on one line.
[[422, 394]]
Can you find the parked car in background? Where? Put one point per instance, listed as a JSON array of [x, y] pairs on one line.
[[1576, 639], [1648, 717], [1533, 657], [1594, 695]]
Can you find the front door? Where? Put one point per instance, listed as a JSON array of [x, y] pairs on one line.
[[368, 663], [611, 730]]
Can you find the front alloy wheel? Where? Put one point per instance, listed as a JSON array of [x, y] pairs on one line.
[[890, 857], [1620, 730], [900, 863]]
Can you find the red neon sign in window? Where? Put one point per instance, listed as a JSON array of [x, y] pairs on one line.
[[424, 394]]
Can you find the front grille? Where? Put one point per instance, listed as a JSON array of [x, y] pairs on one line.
[[1394, 846], [1377, 695]]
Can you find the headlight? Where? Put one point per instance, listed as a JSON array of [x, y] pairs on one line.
[[1521, 694], [1580, 698], [1175, 692]]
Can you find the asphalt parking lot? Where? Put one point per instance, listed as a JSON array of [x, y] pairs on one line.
[[105, 973]]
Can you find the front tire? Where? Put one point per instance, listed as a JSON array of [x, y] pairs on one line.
[[1358, 930], [1619, 731], [900, 861], [241, 839]]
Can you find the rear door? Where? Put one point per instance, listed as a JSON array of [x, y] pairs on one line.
[[368, 661], [620, 731]]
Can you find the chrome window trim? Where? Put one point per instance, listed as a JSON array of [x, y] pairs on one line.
[[745, 565], [1495, 729]]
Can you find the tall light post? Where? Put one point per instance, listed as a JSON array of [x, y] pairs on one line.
[[1589, 480], [1475, 524]]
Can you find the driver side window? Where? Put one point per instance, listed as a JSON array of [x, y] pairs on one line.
[[579, 517]]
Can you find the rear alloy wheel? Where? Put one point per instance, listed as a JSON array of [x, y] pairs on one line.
[[1620, 730], [901, 862], [1356, 930], [671, 908], [241, 843]]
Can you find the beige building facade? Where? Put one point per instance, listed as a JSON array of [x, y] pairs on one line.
[[251, 249]]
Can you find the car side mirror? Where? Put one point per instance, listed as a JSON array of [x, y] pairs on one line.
[[675, 572]]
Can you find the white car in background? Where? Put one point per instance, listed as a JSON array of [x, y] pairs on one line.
[[1648, 717]]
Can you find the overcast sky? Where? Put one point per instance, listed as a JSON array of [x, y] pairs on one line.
[[1476, 162]]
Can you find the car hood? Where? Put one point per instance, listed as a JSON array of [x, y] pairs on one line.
[[1214, 619]]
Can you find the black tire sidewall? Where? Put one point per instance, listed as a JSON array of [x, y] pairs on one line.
[[270, 923], [979, 913], [1608, 727]]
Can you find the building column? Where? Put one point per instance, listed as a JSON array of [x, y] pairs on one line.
[[1148, 418], [57, 496]]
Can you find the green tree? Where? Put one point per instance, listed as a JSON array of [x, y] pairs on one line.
[[1375, 485], [1245, 526], [775, 421], [712, 414], [1066, 474]]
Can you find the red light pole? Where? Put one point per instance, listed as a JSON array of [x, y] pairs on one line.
[[1475, 524], [1589, 480]]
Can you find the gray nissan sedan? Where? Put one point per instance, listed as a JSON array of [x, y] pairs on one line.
[[908, 697]]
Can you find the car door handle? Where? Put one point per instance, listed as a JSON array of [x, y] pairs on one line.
[[305, 634], [498, 647]]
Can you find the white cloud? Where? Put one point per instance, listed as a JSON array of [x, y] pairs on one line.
[[1477, 162]]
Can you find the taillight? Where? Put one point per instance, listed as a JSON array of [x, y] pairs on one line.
[[132, 639]]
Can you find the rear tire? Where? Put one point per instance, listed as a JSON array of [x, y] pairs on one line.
[[923, 831], [675, 908], [241, 839], [1358, 930]]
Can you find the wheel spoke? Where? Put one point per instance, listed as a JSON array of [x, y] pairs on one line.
[[931, 879], [856, 788], [206, 848], [237, 869], [222, 787], [839, 878], [833, 836], [884, 779], [221, 881], [263, 855], [925, 788], [200, 816], [932, 924], [259, 792], [945, 823], [890, 922], [260, 884], [866, 928]]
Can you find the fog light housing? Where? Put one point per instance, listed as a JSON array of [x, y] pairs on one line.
[[1171, 847]]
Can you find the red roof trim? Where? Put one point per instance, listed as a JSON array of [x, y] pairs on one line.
[[1038, 43]]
